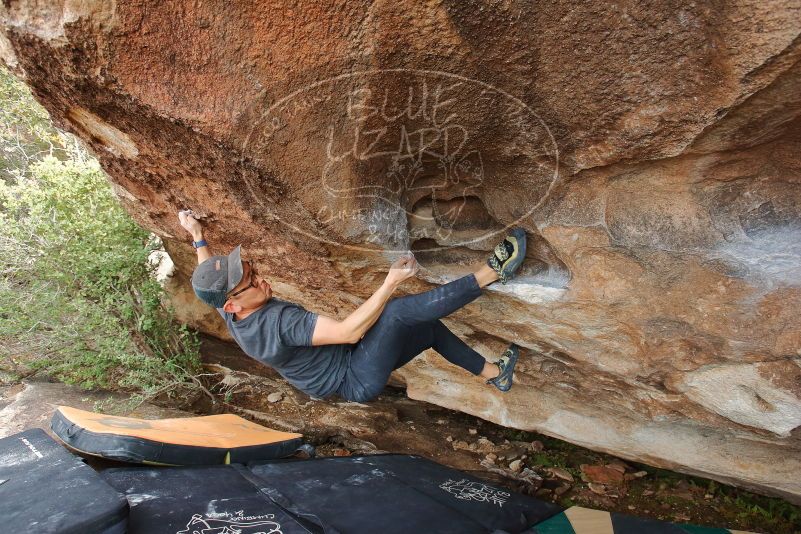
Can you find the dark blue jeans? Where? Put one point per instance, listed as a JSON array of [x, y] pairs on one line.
[[406, 327]]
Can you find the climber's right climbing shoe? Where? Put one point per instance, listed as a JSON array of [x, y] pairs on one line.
[[509, 254], [506, 365]]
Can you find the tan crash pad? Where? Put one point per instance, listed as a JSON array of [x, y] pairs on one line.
[[226, 438]]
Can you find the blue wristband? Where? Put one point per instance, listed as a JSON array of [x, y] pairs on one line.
[[201, 243]]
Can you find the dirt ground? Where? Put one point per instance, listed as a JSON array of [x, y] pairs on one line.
[[538, 465]]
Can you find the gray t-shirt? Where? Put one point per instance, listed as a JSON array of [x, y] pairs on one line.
[[279, 334]]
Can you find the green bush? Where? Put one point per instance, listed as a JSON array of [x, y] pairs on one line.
[[78, 299]]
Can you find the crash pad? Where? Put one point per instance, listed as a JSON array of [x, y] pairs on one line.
[[201, 499], [207, 440], [579, 520], [45, 488], [395, 493], [358, 494]]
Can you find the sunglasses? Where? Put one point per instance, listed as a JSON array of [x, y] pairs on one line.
[[252, 274]]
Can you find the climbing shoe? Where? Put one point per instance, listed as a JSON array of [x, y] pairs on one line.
[[509, 254], [506, 365]]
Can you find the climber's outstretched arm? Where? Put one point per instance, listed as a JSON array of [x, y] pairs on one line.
[[354, 326]]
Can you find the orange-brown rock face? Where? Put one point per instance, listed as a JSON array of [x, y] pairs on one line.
[[652, 151]]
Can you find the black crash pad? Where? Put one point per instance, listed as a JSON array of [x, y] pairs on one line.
[[368, 494], [395, 493], [44, 488], [202, 499]]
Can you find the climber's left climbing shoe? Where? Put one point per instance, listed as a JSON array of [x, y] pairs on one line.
[[506, 365]]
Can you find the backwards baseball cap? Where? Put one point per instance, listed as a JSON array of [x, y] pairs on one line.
[[213, 279]]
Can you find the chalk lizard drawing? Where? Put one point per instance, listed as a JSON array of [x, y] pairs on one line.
[[200, 525], [474, 491]]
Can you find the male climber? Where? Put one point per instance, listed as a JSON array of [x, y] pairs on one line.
[[353, 358]]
